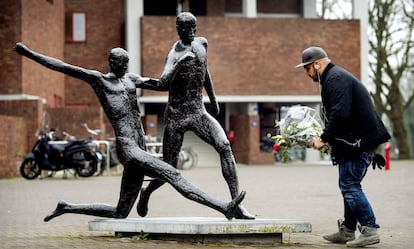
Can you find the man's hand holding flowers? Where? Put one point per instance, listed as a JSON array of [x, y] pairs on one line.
[[317, 143]]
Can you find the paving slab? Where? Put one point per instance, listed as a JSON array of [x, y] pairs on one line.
[[301, 191], [204, 229]]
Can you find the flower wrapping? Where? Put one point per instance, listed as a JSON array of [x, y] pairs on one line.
[[298, 128]]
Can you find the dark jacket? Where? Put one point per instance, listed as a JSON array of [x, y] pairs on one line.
[[352, 125]]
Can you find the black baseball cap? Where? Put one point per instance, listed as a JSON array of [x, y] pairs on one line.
[[312, 54]]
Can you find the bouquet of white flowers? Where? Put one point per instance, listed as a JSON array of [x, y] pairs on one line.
[[299, 127]]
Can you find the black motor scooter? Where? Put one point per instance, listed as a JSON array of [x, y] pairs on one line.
[[46, 155]]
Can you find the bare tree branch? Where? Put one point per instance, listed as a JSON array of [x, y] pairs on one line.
[[390, 50]]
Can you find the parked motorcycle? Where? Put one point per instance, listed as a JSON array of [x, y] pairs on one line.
[[50, 154]]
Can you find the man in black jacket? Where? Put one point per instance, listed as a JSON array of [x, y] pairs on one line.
[[354, 130]]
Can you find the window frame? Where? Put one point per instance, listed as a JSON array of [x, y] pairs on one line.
[[71, 36]]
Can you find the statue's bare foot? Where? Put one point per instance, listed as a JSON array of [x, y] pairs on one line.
[[58, 211], [233, 206], [243, 214], [142, 206]]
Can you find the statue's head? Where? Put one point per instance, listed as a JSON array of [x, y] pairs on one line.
[[186, 27], [118, 61]]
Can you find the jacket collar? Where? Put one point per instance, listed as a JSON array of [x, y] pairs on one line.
[[325, 72]]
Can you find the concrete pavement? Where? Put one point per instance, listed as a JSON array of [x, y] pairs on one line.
[[294, 191]]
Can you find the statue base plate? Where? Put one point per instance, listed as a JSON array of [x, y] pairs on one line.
[[203, 229]]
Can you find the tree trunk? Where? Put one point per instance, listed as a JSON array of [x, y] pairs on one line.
[[400, 134]]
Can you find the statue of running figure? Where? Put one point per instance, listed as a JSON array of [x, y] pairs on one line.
[[116, 91], [185, 110]]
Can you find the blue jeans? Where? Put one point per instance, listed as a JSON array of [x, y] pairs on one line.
[[356, 205]]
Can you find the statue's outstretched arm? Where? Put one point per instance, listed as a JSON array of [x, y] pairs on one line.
[[149, 83], [56, 64]]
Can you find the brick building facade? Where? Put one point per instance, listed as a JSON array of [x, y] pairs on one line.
[[251, 61], [255, 56], [39, 24]]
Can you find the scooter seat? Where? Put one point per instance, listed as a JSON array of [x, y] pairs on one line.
[[58, 147]]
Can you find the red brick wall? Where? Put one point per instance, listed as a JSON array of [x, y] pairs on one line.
[[104, 31], [246, 147], [216, 8], [42, 30], [31, 111], [10, 64], [71, 120], [12, 144], [39, 24], [256, 56]]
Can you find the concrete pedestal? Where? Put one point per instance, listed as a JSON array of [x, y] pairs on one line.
[[203, 229]]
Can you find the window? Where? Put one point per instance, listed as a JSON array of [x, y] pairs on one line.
[[75, 27], [173, 7], [160, 7]]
